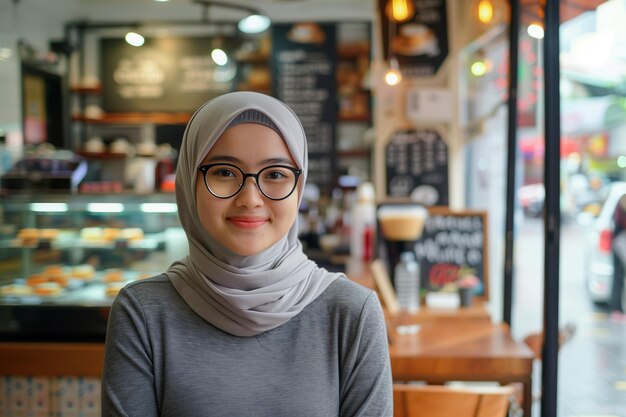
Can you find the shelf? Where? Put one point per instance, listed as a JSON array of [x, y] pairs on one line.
[[86, 90], [149, 242], [102, 155], [355, 50], [265, 89], [137, 118], [363, 119], [354, 153], [252, 58]]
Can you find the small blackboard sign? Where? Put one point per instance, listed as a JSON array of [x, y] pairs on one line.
[[453, 244], [416, 167]]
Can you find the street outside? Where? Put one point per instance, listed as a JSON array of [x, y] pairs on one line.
[[592, 364]]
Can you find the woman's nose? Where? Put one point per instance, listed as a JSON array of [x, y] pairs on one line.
[[250, 195]]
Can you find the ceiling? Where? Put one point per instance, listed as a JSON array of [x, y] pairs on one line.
[[278, 10]]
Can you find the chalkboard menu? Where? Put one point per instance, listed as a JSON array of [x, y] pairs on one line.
[[303, 62], [454, 243], [416, 166], [164, 75], [421, 43]]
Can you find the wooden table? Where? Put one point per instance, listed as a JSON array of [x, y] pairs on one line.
[[463, 350], [425, 314]]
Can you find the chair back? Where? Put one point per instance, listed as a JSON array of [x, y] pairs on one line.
[[445, 401]]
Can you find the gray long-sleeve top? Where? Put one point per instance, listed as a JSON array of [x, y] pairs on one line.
[[162, 359]]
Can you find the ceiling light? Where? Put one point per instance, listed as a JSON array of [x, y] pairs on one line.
[[400, 10], [134, 39], [158, 207], [49, 207], [535, 30], [105, 207], [393, 76], [478, 68], [485, 11], [219, 57], [255, 23]]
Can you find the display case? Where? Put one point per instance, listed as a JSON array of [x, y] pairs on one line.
[[63, 258]]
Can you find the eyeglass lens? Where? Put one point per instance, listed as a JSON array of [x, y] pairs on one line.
[[276, 182]]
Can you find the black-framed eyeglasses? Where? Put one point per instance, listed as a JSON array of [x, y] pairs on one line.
[[275, 182]]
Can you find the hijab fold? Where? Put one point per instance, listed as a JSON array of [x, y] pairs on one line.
[[241, 295]]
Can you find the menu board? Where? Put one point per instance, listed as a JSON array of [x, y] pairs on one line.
[[304, 64], [416, 167], [420, 44], [165, 75], [454, 243]]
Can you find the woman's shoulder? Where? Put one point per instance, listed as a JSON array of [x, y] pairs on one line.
[[347, 294], [158, 286]]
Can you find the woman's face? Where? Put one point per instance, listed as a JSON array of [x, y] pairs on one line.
[[248, 222]]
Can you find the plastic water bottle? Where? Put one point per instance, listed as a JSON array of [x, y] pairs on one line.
[[363, 224], [407, 282]]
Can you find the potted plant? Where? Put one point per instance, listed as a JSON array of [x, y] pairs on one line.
[[467, 283]]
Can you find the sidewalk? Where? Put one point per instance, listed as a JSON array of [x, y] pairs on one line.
[[592, 369]]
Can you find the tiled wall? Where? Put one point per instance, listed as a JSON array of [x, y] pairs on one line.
[[32, 396]]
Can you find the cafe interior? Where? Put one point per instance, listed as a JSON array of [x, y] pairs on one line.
[[425, 120]]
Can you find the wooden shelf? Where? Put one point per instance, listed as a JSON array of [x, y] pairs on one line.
[[86, 90], [354, 50], [264, 88], [364, 119], [253, 58], [355, 153], [102, 155], [137, 118]]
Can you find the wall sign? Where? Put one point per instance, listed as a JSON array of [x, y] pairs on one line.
[[421, 43], [416, 167], [164, 75], [453, 243], [304, 57], [429, 104]]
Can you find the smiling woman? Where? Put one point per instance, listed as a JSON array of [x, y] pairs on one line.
[[257, 317]]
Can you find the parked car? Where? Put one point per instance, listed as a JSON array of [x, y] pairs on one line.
[[599, 257], [531, 197], [584, 194]]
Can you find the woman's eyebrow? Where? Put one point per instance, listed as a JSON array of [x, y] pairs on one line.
[[285, 161], [222, 158], [228, 158]]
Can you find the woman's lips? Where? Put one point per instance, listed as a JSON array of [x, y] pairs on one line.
[[247, 222]]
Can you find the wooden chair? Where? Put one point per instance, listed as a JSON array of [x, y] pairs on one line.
[[445, 401]]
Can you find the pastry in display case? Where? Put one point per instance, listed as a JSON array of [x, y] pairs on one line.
[[64, 258]]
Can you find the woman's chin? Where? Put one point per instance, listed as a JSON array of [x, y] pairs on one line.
[[251, 249]]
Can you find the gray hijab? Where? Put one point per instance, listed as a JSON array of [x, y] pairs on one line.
[[241, 295]]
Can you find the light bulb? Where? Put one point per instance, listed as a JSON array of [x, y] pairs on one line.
[[400, 10], [393, 76], [535, 30], [478, 68], [219, 56], [255, 23], [485, 11], [134, 39]]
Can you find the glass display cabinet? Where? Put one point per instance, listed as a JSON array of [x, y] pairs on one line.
[[63, 258]]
